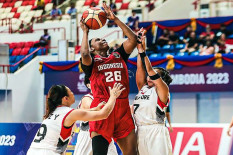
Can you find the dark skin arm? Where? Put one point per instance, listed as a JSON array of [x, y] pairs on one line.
[[131, 42], [85, 53]]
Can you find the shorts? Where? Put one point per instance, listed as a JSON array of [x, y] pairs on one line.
[[84, 145], [154, 139], [38, 151], [119, 123]]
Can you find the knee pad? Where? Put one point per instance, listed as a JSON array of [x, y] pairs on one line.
[[99, 145]]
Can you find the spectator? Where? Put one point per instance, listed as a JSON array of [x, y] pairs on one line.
[[111, 23], [173, 38], [224, 30], [192, 44], [55, 12], [133, 20], [221, 42], [44, 39], [72, 9], [208, 32], [40, 4], [113, 7], [163, 39], [207, 49], [187, 33], [93, 4], [150, 5]]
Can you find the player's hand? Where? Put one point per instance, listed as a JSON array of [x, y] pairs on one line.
[[100, 106], [116, 90], [171, 129], [83, 26], [108, 11], [229, 132], [141, 43]]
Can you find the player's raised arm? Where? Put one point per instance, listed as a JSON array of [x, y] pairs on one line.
[[140, 73], [85, 115], [161, 86], [131, 42], [85, 53]]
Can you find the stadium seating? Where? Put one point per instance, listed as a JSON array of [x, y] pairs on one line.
[[19, 50], [22, 10]]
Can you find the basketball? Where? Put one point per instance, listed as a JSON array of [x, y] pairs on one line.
[[94, 18]]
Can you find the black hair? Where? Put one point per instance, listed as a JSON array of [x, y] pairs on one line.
[[90, 43], [86, 81], [165, 75], [55, 95]]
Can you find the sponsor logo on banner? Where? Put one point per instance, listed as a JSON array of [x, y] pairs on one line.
[[81, 87], [193, 141], [73, 80]]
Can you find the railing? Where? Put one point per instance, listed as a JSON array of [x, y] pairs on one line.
[[17, 63], [116, 31], [23, 26]]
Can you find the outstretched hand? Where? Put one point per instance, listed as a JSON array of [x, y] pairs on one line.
[[116, 90], [141, 45], [83, 26], [108, 11]]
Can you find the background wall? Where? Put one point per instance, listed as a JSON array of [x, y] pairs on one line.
[[27, 87], [172, 9]]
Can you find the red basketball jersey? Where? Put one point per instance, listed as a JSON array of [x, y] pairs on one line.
[[107, 71]]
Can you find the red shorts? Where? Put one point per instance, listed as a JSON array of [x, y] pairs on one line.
[[118, 125]]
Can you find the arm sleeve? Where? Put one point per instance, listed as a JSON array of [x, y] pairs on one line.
[[122, 52], [87, 69]]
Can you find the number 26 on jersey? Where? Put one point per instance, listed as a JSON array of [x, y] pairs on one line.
[[113, 76]]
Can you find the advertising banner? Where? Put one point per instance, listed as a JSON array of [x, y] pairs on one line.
[[195, 79], [202, 79], [16, 138], [187, 139], [73, 80]]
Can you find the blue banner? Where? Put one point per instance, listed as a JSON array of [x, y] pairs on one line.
[[16, 138]]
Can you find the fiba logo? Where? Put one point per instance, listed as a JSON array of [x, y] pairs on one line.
[[80, 85], [82, 76]]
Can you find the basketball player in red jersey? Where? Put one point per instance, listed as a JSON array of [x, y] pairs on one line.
[[104, 71]]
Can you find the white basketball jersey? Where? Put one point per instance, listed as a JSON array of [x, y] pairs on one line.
[[52, 134], [84, 125], [148, 109]]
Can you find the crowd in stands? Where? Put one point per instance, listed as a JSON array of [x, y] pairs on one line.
[[206, 43]]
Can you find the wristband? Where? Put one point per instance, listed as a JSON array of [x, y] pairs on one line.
[[155, 77], [142, 55], [139, 38]]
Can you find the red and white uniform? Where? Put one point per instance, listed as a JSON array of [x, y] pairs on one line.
[[153, 136], [52, 138], [105, 72], [84, 142]]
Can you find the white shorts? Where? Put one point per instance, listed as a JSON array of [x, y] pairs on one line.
[[154, 139], [37, 151], [84, 145]]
